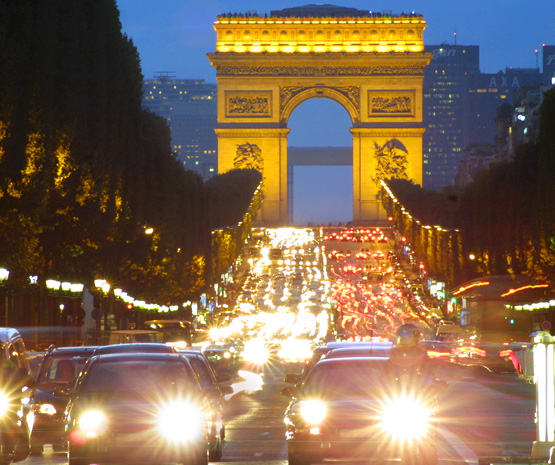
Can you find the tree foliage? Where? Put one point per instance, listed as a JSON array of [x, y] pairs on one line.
[[84, 170], [506, 216]]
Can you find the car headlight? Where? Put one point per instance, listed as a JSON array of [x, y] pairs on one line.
[[313, 411], [46, 409], [5, 402], [181, 421], [92, 424], [405, 418]]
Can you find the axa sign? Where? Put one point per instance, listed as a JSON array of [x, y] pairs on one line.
[[504, 81]]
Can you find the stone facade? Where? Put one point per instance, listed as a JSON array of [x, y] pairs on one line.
[[371, 65]]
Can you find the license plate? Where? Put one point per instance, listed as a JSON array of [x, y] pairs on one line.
[[353, 433]]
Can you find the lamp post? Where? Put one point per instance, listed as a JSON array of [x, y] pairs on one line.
[[544, 377], [52, 287], [479, 264], [103, 286], [4, 274]]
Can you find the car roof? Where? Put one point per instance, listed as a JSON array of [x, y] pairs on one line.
[[344, 360], [133, 331], [6, 334], [73, 350], [144, 356], [137, 347], [358, 351]]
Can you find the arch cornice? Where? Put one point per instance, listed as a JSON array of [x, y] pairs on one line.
[[292, 96]]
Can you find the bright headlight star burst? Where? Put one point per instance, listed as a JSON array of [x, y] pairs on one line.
[[92, 424], [405, 418], [181, 421], [313, 411], [4, 403]]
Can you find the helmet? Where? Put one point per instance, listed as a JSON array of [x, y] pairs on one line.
[[408, 335]]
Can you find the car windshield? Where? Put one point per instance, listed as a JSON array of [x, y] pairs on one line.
[[345, 379], [136, 378], [61, 369]]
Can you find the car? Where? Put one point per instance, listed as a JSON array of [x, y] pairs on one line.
[[172, 330], [139, 408], [355, 408], [209, 378], [16, 397], [223, 358], [59, 368], [321, 351]]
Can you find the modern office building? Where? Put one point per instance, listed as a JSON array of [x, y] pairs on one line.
[[189, 106], [445, 111], [460, 107]]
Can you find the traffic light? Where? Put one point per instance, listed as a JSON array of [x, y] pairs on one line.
[[129, 307]]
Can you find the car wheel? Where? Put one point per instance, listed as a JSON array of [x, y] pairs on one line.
[[59, 447], [200, 458], [295, 459], [215, 453], [36, 449], [22, 448], [73, 459]]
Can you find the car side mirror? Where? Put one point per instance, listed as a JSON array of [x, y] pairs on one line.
[[223, 377], [226, 389], [292, 378], [289, 391]]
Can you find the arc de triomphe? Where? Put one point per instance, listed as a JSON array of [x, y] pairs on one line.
[[370, 63]]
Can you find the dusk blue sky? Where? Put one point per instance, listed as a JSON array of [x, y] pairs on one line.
[[176, 35]]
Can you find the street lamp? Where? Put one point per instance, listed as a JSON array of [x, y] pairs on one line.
[[103, 286], [4, 274]]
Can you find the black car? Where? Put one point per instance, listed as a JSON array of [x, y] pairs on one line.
[[139, 408], [59, 368], [209, 378], [356, 408]]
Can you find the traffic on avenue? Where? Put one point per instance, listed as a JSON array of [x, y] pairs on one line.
[[326, 346]]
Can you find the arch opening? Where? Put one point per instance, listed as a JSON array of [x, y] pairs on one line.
[[320, 172]]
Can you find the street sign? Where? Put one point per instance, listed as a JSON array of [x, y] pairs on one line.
[[546, 325]]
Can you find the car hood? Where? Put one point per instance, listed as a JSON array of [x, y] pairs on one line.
[[45, 394]]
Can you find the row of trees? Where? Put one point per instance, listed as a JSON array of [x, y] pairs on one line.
[[84, 170], [505, 217]]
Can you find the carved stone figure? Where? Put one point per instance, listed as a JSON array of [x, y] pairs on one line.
[[391, 160], [248, 156]]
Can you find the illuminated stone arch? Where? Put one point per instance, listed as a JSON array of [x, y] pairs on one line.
[[292, 96], [372, 65]]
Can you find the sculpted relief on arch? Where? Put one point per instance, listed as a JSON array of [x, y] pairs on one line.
[[249, 156], [391, 161]]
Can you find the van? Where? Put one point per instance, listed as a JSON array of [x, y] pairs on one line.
[[13, 349]]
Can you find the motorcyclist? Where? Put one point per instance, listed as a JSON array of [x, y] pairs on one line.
[[411, 365]]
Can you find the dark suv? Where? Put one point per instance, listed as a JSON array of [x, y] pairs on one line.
[[59, 369]]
